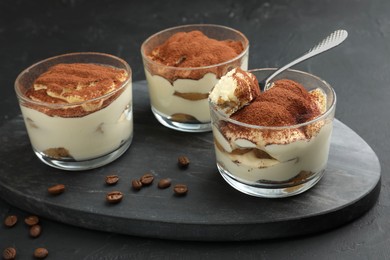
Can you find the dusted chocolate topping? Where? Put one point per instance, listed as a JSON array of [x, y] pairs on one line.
[[77, 82], [286, 103], [73, 83], [192, 50], [264, 113]]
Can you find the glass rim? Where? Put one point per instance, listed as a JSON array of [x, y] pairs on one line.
[[258, 127], [242, 54], [23, 97]]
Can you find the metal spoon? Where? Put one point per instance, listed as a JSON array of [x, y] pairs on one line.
[[328, 43]]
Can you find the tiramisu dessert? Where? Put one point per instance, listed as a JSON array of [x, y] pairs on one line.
[[78, 111], [281, 135], [182, 70]]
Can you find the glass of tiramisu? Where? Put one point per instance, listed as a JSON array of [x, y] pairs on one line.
[[77, 109], [182, 64], [275, 143]]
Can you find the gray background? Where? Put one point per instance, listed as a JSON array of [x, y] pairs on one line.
[[278, 32]]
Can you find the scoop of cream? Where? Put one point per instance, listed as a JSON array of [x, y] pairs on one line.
[[234, 90]]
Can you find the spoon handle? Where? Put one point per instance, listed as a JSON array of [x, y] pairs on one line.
[[328, 43]]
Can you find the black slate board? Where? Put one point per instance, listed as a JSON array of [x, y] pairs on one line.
[[211, 211]]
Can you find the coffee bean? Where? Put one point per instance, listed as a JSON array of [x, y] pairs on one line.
[[112, 179], [136, 184], [10, 220], [56, 189], [9, 253], [31, 220], [180, 189], [114, 196], [35, 231], [41, 253], [183, 161], [164, 183], [147, 179]]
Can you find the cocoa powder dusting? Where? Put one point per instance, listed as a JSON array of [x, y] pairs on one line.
[[264, 113], [73, 83], [192, 50], [286, 103]]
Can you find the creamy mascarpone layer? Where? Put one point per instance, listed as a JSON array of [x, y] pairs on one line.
[[86, 137], [162, 97], [289, 159]]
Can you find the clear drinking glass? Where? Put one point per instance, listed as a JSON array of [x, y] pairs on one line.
[[62, 137], [177, 100], [276, 170]]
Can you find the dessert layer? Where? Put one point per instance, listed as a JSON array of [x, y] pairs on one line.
[[82, 138], [194, 49], [277, 162], [185, 96], [74, 83], [286, 103], [189, 50]]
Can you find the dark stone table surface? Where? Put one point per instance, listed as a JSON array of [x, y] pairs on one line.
[[278, 31]]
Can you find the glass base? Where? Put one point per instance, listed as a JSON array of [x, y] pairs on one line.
[[184, 127], [270, 191], [72, 165]]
